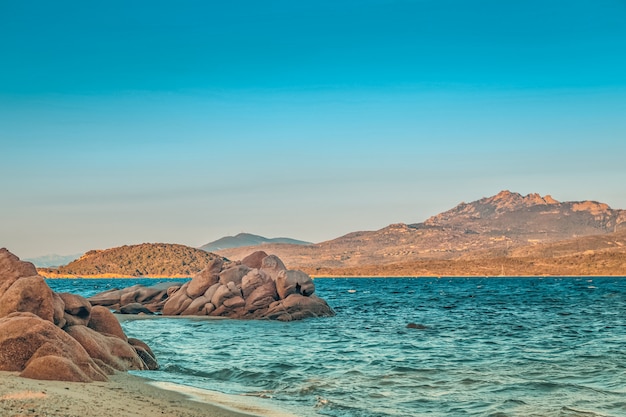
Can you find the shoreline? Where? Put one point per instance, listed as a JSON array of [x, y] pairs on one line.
[[124, 395]]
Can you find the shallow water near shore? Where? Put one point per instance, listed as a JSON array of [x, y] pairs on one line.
[[489, 347]]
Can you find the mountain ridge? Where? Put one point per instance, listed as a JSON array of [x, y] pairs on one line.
[[522, 235], [247, 239], [486, 228]]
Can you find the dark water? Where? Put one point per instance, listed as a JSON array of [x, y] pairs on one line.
[[491, 347]]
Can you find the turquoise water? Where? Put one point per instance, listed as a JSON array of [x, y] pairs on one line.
[[491, 347]]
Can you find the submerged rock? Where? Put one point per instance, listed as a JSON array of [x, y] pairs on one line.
[[45, 335], [258, 287]]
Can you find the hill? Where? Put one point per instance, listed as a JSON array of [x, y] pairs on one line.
[[144, 260], [247, 239], [479, 235]]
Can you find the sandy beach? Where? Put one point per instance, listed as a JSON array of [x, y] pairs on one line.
[[124, 395]]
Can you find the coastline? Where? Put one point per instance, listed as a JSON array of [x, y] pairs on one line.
[[124, 395]]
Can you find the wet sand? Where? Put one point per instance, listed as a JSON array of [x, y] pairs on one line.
[[124, 395]]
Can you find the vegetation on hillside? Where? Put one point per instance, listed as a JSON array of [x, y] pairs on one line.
[[147, 259]]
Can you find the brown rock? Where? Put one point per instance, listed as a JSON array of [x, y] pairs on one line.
[[253, 280], [77, 309], [30, 294], [196, 306], [272, 265], [177, 302], [59, 310], [57, 368], [105, 322], [261, 297], [233, 274], [11, 268], [109, 349], [205, 279], [254, 260], [25, 337], [154, 293], [109, 297], [225, 292], [134, 308], [234, 302], [211, 291], [145, 353], [297, 307], [294, 282]]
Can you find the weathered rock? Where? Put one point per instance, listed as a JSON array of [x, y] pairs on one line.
[[225, 292], [59, 310], [77, 309], [32, 337], [145, 353], [29, 294], [196, 306], [205, 279], [177, 302], [239, 291], [211, 291], [234, 302], [25, 337], [134, 308], [109, 349], [11, 268], [57, 368], [261, 297], [105, 322], [272, 265], [254, 260], [297, 307], [110, 297], [234, 274], [294, 282], [253, 279]]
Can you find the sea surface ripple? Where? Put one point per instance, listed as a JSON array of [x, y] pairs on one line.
[[485, 347]]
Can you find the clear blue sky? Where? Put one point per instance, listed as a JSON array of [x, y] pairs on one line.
[[157, 121]]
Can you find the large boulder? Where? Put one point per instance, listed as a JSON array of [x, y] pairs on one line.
[[44, 335], [28, 294], [272, 265], [205, 279], [11, 268], [254, 260], [234, 274], [294, 282], [105, 322], [177, 302], [298, 307], [77, 310], [109, 349], [26, 339]]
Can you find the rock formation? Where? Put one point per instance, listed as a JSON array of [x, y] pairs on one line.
[[45, 335], [257, 287]]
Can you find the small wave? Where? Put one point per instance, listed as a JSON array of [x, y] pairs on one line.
[[572, 412]]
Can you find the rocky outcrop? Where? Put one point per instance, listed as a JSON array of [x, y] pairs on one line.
[[258, 287], [45, 335]]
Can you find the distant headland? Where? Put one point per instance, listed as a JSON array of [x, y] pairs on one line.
[[507, 234]]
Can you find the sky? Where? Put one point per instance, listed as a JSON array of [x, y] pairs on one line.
[[182, 122]]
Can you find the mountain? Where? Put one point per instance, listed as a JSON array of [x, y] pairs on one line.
[[247, 239], [48, 261], [144, 260], [480, 231]]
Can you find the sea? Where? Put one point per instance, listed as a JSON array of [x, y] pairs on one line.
[[478, 347]]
